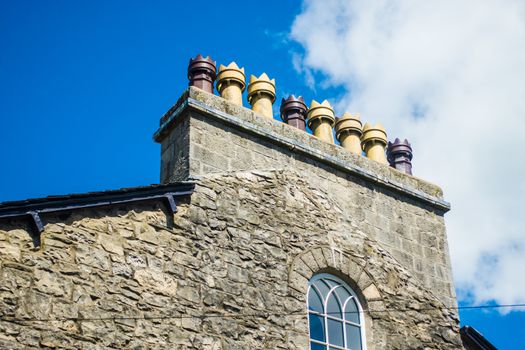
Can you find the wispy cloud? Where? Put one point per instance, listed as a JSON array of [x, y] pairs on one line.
[[449, 76], [301, 68]]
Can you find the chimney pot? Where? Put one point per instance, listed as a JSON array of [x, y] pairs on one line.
[[231, 83], [348, 130], [261, 95], [374, 142], [399, 155], [321, 120], [202, 73], [293, 112]]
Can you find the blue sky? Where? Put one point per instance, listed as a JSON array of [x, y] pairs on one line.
[[84, 83]]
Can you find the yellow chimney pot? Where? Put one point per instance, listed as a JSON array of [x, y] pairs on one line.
[[261, 94], [374, 142], [348, 130], [321, 120], [231, 82]]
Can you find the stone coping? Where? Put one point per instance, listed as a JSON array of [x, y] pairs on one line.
[[298, 141]]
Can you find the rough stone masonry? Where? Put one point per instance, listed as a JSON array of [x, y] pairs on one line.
[[272, 206]]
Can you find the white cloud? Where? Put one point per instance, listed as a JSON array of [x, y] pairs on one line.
[[449, 76]]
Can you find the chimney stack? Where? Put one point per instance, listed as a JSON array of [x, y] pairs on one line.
[[231, 83], [321, 119], [348, 130], [400, 155], [201, 73], [261, 95], [293, 112]]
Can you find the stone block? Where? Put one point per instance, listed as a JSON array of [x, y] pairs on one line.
[[51, 283], [10, 251], [371, 293], [92, 258], [159, 282]]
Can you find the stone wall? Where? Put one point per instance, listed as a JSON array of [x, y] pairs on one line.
[[228, 271], [403, 213]]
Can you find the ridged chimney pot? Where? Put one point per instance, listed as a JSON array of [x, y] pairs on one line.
[[293, 112], [202, 73], [348, 130], [261, 95], [374, 142], [321, 120], [399, 155], [231, 83]]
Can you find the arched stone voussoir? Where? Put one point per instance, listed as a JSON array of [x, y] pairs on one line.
[[333, 260]]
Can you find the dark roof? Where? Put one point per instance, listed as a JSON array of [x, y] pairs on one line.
[[474, 340], [32, 208]]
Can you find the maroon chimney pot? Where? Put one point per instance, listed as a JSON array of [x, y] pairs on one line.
[[293, 112], [202, 73], [399, 155]]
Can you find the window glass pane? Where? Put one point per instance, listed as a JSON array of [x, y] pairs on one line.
[[353, 337], [334, 308], [314, 301], [315, 346], [343, 294], [331, 283], [316, 327], [323, 288], [335, 332], [352, 312]]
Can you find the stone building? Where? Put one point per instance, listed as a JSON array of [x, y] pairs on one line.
[[260, 236]]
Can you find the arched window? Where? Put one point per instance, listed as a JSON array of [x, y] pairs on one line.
[[334, 315]]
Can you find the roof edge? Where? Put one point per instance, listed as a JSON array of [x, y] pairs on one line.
[[474, 340], [94, 199]]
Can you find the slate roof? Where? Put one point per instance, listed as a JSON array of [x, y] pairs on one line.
[[32, 208]]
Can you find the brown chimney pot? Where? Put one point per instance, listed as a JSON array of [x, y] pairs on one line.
[[293, 112], [202, 73], [399, 155]]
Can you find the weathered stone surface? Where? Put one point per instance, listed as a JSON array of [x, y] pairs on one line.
[[137, 282]]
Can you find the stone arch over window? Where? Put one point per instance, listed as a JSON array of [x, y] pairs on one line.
[[351, 268], [335, 315]]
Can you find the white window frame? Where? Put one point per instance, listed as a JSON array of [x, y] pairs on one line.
[[325, 316]]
